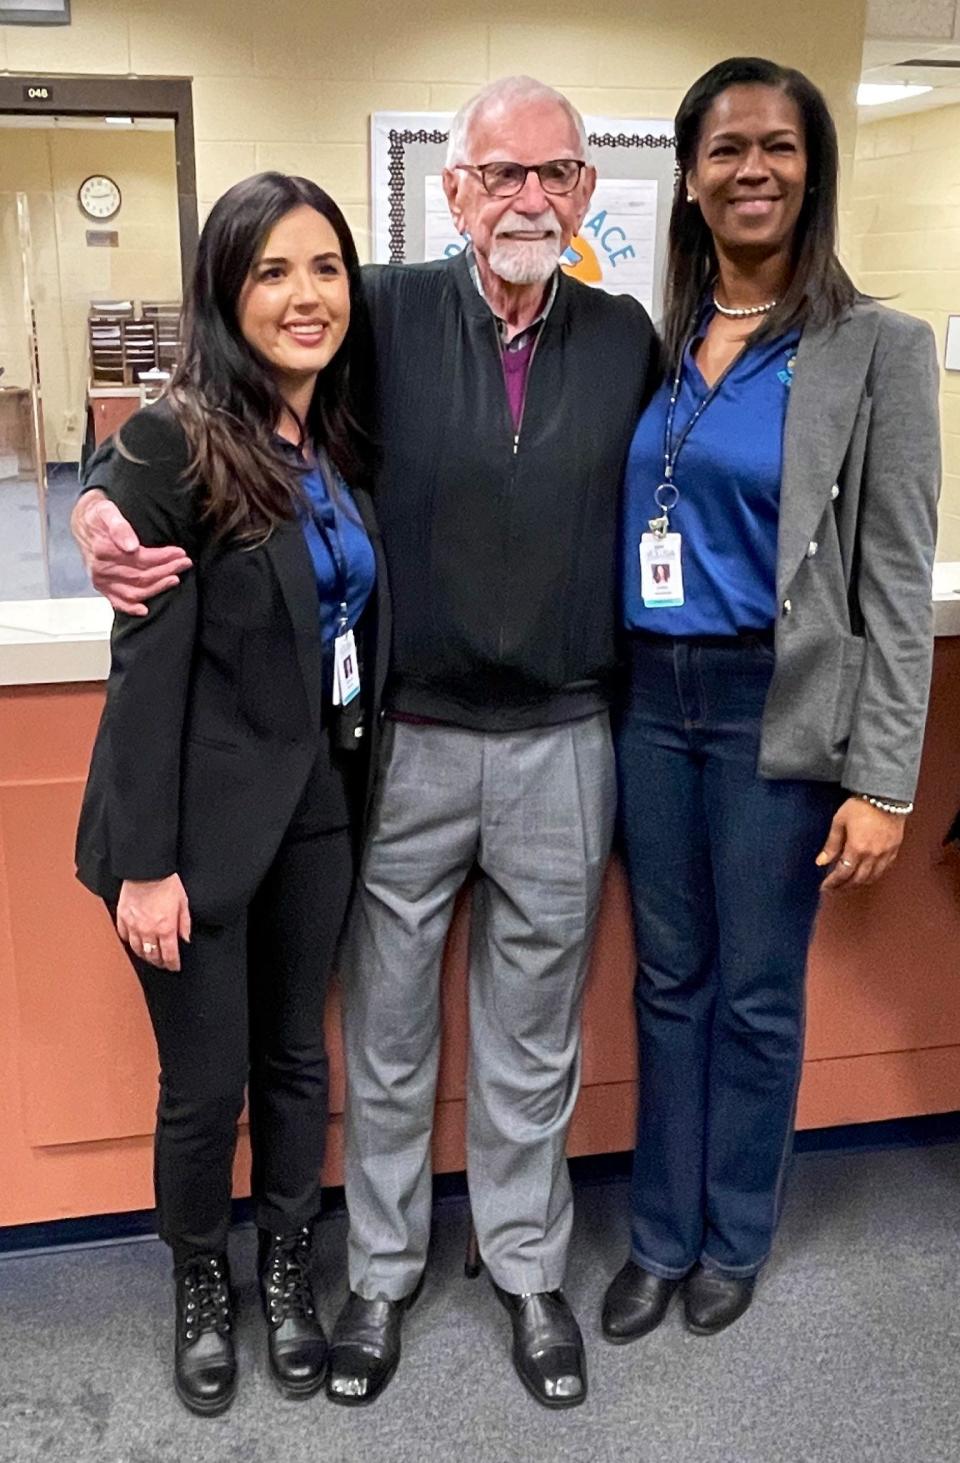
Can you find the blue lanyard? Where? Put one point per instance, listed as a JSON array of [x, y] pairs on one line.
[[667, 494], [334, 546]]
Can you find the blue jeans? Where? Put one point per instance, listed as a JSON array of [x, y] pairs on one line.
[[724, 891]]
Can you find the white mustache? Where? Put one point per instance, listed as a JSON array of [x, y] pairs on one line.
[[515, 223]]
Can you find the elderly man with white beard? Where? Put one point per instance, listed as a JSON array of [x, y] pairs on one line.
[[507, 396]]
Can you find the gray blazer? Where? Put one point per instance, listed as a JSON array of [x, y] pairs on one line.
[[861, 476]]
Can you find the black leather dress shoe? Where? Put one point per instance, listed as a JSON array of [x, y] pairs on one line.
[[712, 1301], [635, 1303], [365, 1347], [205, 1363], [547, 1346], [296, 1345]]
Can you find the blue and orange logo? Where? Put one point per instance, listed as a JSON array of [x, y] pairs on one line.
[[579, 260]]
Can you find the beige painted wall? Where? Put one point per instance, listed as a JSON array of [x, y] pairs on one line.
[[292, 85], [14, 349], [49, 165], [905, 240]]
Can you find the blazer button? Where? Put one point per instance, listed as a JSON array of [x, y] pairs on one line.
[[787, 607], [812, 547], [835, 491]]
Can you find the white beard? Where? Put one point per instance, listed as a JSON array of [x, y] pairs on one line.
[[525, 262]]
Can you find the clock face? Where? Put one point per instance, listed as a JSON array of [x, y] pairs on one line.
[[99, 197]]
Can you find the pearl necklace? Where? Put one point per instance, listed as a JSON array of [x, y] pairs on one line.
[[745, 311]]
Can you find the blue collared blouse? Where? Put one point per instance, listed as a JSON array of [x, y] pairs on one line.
[[340, 551], [728, 475]]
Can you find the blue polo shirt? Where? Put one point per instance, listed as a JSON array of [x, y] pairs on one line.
[[728, 473]]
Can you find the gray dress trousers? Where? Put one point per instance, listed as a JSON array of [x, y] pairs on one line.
[[534, 812]]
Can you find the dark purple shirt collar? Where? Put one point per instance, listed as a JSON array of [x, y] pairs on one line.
[[524, 337]]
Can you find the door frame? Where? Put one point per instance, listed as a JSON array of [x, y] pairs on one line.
[[122, 96]]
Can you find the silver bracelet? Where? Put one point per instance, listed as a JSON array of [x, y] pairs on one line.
[[900, 810]]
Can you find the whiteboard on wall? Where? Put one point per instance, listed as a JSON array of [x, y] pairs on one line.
[[621, 246]]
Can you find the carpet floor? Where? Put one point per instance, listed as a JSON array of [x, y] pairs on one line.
[[849, 1353]]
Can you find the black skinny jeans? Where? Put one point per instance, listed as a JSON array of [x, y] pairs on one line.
[[246, 1011]]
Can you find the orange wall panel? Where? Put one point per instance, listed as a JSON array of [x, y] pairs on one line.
[[78, 1065], [84, 1039], [885, 965]]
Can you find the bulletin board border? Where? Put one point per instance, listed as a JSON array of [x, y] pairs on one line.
[[401, 138]]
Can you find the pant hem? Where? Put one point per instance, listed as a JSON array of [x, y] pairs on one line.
[[525, 1283], [286, 1225], [738, 1272], [184, 1255], [664, 1272], [394, 1288]]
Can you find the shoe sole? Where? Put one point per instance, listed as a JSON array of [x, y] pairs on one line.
[[205, 1409], [713, 1330], [344, 1399]]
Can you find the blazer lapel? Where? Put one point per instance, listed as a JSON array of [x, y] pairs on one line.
[[290, 558], [827, 386]]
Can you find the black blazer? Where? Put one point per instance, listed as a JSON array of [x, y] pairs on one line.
[[214, 698]]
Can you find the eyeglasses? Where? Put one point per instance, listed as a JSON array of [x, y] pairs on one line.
[[502, 180]]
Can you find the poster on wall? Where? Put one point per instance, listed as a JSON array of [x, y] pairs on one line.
[[620, 245]]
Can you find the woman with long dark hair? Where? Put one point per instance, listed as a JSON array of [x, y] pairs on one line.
[[786, 474], [226, 786]]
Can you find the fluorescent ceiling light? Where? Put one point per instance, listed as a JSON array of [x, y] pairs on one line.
[[875, 93], [128, 121]]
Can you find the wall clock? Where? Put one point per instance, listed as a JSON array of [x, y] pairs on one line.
[[99, 197]]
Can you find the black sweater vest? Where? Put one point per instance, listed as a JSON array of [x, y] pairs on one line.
[[502, 553]]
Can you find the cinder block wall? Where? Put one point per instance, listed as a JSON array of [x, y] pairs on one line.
[[905, 241], [292, 84]]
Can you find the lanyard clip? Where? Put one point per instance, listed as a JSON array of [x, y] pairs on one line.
[[666, 496]]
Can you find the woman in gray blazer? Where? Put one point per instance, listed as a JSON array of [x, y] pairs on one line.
[[786, 474]]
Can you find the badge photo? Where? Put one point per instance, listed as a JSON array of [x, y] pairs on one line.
[[661, 570]]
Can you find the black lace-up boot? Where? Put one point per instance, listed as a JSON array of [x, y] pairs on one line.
[[296, 1345], [205, 1364]]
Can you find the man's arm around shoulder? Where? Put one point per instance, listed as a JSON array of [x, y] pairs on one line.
[[119, 566]]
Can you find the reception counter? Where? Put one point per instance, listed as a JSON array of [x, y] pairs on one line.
[[77, 1062]]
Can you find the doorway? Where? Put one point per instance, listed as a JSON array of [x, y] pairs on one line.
[[98, 228]]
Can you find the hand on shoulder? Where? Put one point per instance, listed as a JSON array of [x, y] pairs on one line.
[[136, 468], [119, 566]]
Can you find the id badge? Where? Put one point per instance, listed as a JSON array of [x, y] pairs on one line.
[[661, 571], [346, 672]]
